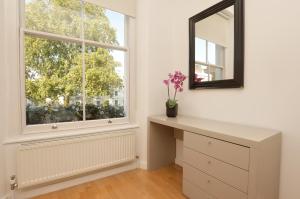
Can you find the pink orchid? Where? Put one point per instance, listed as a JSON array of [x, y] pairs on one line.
[[198, 78], [166, 82], [177, 80]]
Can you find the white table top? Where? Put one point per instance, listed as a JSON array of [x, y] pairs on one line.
[[237, 133]]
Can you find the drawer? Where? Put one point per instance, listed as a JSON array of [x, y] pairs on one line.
[[231, 153], [193, 192], [227, 173], [211, 185]]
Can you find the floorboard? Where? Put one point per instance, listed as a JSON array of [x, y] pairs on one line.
[[164, 183]]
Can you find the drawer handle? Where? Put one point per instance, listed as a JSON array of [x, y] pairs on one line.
[[208, 181], [54, 126], [209, 162]]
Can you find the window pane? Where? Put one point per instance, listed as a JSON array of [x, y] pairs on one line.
[[53, 81], [220, 56], [216, 73], [54, 16], [216, 54], [219, 74], [202, 72], [105, 76], [104, 25], [200, 50], [211, 53]]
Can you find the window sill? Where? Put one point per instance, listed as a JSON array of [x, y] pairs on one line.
[[22, 139]]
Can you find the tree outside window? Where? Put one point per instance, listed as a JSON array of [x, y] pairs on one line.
[[72, 61]]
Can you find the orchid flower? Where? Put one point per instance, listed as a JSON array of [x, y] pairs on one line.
[[177, 80]]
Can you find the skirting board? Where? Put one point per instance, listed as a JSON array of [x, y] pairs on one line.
[[179, 162], [7, 196], [143, 165], [77, 181]]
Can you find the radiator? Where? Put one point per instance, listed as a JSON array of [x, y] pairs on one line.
[[43, 162]]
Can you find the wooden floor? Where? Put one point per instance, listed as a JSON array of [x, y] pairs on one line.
[[164, 183]]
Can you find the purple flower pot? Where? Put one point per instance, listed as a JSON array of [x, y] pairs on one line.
[[171, 112]]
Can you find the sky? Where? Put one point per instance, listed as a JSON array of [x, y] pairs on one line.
[[200, 51], [117, 21]]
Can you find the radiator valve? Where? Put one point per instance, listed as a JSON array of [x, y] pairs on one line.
[[13, 182]]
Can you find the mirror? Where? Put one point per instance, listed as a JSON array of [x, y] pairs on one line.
[[216, 46]]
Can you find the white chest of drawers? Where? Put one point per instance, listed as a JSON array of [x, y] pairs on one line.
[[221, 160]]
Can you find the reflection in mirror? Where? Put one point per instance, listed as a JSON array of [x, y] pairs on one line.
[[214, 46]]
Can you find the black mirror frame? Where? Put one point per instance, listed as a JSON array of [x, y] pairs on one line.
[[238, 80]]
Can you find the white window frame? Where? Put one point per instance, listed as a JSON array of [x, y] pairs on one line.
[[209, 65], [128, 50]]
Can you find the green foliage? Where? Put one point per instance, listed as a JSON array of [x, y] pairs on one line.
[[171, 103], [47, 114], [104, 111], [101, 77], [54, 68]]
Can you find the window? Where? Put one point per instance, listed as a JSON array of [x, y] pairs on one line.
[[74, 56], [210, 60]]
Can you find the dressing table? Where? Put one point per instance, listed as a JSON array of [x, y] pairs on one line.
[[221, 160]]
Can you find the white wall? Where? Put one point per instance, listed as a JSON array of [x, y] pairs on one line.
[[215, 29], [9, 81], [153, 62], [271, 97], [2, 107], [229, 51], [3, 187]]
